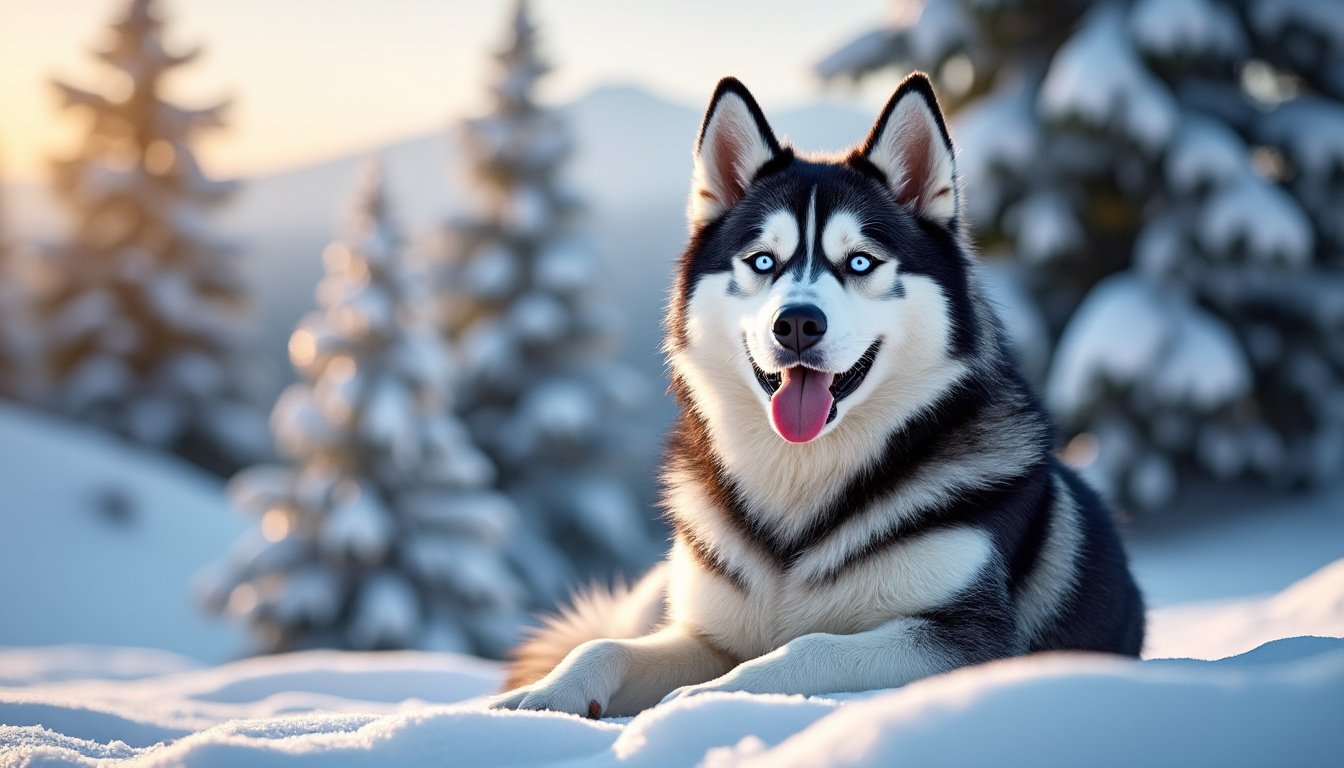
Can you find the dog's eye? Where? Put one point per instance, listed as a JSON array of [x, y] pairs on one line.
[[762, 263], [861, 263]]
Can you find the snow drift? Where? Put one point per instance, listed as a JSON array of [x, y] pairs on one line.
[[1276, 704]]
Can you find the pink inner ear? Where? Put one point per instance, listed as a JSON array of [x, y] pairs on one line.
[[915, 163], [727, 148], [914, 147]]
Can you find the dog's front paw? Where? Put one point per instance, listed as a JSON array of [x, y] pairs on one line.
[[721, 685], [751, 677], [572, 694], [582, 684]]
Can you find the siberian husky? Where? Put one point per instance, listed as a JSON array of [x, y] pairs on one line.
[[861, 484]]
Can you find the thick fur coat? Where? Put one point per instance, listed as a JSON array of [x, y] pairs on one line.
[[861, 484]]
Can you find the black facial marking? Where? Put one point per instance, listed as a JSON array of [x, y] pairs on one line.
[[788, 183]]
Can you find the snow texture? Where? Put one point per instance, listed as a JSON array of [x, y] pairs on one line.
[[102, 542], [1160, 350], [1273, 703]]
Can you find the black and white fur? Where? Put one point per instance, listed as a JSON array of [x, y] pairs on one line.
[[926, 527]]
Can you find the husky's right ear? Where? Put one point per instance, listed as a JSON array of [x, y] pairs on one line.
[[735, 143]]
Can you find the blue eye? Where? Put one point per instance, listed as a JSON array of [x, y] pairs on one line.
[[861, 263], [762, 263]]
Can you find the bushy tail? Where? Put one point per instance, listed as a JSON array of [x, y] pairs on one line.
[[622, 611]]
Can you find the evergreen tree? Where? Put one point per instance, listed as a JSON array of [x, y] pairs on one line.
[[383, 532], [143, 309], [20, 377], [1171, 174], [544, 396]]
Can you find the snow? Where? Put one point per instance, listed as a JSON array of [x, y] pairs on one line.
[[1271, 703], [1217, 629], [1256, 217], [1115, 335], [1131, 334], [1204, 366], [1097, 78], [1205, 152], [1172, 28], [1311, 131], [121, 579], [998, 130], [1045, 226], [1233, 714], [1320, 17]]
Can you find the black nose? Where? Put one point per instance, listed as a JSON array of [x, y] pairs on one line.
[[799, 327]]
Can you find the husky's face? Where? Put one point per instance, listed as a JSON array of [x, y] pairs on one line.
[[809, 286]]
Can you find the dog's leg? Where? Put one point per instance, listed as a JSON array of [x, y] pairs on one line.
[[896, 653], [620, 677]]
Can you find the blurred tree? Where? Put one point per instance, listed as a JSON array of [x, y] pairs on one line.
[[1172, 174], [543, 395], [18, 371], [383, 533], [143, 309]]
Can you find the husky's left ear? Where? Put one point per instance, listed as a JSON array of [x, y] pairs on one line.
[[735, 143], [909, 144]]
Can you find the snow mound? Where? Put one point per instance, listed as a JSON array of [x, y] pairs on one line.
[[1276, 704], [1313, 606], [1187, 716], [130, 529]]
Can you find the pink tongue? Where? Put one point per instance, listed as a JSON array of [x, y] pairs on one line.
[[801, 404]]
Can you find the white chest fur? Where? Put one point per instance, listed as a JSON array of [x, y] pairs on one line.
[[776, 605]]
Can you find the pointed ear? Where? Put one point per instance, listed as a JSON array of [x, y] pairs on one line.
[[909, 144], [735, 143]]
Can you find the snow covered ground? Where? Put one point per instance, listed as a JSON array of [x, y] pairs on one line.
[[101, 541], [1273, 704]]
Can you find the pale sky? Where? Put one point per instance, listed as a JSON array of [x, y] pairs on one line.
[[315, 78]]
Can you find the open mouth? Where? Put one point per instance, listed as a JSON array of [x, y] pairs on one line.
[[800, 397]]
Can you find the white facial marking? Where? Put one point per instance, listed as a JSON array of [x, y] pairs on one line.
[[842, 236], [779, 235], [811, 230]]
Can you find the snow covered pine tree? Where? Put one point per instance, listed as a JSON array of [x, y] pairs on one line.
[[383, 533], [542, 393], [143, 311], [1171, 174]]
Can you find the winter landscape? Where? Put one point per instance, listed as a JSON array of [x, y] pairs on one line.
[[301, 426]]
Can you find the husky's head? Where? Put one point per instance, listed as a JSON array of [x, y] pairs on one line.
[[815, 288]]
